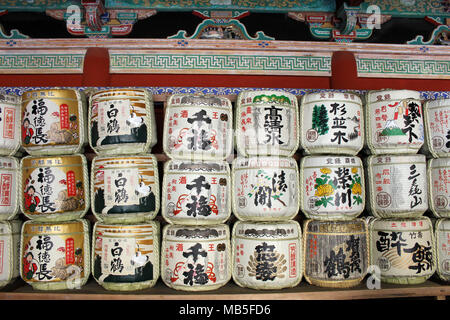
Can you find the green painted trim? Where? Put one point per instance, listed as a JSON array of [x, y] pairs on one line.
[[210, 22], [41, 61], [420, 41], [14, 34], [218, 62], [229, 5], [417, 8], [403, 66]]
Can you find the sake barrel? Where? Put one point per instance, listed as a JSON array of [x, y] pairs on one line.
[[438, 173], [437, 127], [336, 252], [126, 257], [9, 251], [265, 188], [55, 255], [196, 192], [54, 188], [267, 123], [53, 121], [331, 122], [9, 187], [332, 187], [442, 236], [397, 185], [267, 255], [196, 258], [403, 249], [394, 122], [122, 121], [198, 127], [9, 125], [125, 189]]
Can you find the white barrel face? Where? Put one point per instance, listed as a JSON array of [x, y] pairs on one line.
[[336, 252], [9, 187], [196, 258], [403, 249], [331, 122], [442, 234], [439, 187], [394, 122], [121, 121], [267, 123], [437, 127], [267, 255], [54, 187], [198, 127], [196, 193], [55, 255], [9, 124], [397, 185], [9, 251], [125, 189], [53, 121], [265, 188], [332, 187], [126, 254]]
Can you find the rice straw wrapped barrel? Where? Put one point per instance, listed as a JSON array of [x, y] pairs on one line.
[[437, 127], [332, 187], [442, 236], [196, 258], [9, 187], [9, 251], [267, 255], [198, 127], [126, 257], [403, 249], [336, 253], [265, 188], [122, 121], [53, 121], [125, 189], [55, 255], [331, 122], [267, 123], [397, 185], [394, 121], [196, 192], [54, 188], [10, 144], [438, 173]]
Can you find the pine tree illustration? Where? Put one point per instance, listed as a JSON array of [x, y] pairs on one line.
[[320, 119]]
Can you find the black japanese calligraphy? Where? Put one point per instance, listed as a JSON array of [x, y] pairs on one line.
[[273, 126]]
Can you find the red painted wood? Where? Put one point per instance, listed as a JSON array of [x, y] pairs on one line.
[[41, 80], [207, 80], [96, 68], [96, 74]]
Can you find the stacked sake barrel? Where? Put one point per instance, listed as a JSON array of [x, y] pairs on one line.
[[332, 189], [437, 145], [10, 149], [54, 189], [124, 189], [266, 241], [196, 192], [401, 237]]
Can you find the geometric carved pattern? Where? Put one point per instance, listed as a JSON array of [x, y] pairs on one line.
[[228, 91], [144, 62], [392, 67], [30, 62]]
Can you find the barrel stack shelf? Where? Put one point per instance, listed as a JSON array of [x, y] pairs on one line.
[[223, 67]]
